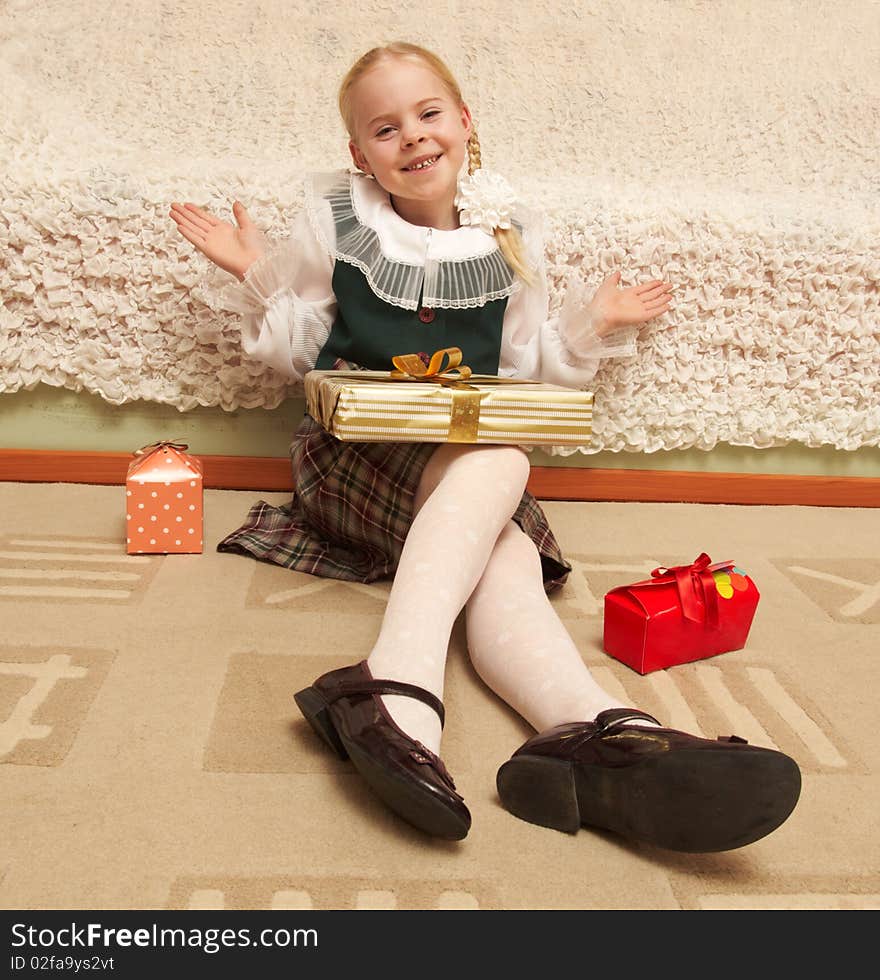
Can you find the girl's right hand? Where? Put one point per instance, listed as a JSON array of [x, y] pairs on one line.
[[233, 249]]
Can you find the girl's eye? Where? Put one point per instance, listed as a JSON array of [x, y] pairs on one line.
[[385, 130]]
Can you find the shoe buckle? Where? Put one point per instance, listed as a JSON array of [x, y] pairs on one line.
[[424, 756]]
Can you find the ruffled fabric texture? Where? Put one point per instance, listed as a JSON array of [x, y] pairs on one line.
[[775, 335], [774, 248]]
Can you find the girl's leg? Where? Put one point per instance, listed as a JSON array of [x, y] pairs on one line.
[[519, 646], [618, 771], [466, 496]]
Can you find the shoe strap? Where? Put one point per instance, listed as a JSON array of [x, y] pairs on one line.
[[620, 716], [346, 689]]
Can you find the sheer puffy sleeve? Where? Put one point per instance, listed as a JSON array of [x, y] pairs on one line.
[[286, 299], [562, 349]]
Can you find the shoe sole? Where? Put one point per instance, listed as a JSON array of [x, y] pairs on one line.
[[421, 808], [691, 800]]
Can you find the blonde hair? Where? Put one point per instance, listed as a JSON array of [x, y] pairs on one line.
[[509, 240]]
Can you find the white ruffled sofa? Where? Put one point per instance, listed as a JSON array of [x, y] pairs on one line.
[[680, 149]]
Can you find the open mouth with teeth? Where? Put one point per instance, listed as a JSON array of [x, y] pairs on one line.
[[424, 164]]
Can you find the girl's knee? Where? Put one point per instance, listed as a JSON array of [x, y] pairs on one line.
[[516, 460], [504, 467], [502, 464]]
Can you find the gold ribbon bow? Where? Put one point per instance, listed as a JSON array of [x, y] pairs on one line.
[[413, 367], [696, 589], [464, 417], [410, 367]]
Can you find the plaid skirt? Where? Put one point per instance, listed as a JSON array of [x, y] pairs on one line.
[[351, 510]]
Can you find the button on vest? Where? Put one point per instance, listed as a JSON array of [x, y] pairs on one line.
[[368, 331]]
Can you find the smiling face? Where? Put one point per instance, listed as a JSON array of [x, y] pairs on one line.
[[411, 135]]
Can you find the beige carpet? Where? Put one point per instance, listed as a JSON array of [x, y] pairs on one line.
[[153, 756]]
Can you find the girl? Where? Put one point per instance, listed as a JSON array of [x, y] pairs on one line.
[[410, 254]]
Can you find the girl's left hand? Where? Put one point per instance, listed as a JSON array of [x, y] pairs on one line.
[[614, 308]]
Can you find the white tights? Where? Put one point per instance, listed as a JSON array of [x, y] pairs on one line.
[[463, 548]]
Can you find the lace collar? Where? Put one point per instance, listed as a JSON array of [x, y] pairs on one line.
[[406, 265]]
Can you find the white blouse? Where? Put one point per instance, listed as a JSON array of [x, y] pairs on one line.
[[288, 308]]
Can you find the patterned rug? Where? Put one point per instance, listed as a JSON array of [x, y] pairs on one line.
[[153, 757]]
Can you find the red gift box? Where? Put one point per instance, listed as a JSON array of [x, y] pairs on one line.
[[163, 501], [679, 615]]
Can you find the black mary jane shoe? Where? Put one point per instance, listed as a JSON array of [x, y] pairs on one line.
[[344, 708], [657, 785]]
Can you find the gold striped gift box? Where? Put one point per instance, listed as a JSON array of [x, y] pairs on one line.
[[371, 406]]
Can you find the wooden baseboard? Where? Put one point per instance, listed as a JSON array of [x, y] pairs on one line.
[[546, 482]]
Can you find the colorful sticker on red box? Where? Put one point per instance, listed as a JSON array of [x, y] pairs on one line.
[[731, 581]]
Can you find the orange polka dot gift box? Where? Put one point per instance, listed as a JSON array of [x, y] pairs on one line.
[[680, 614], [163, 501]]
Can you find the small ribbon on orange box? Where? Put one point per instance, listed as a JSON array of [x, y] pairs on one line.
[[153, 446], [696, 589]]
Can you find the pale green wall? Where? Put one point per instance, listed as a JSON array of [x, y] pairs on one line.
[[55, 418]]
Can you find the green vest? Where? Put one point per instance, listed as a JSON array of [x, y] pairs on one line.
[[368, 331]]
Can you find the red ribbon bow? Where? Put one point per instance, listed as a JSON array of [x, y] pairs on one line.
[[696, 589]]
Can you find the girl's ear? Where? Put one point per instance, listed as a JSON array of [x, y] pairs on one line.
[[466, 120], [360, 161]]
